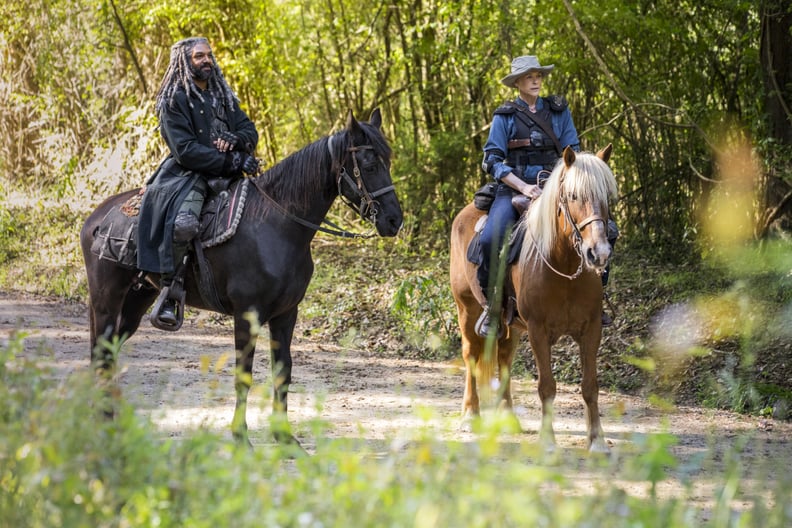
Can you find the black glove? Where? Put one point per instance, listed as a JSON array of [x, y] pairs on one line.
[[241, 162], [250, 165], [230, 138]]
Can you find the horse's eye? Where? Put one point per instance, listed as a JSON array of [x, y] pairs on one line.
[[370, 163]]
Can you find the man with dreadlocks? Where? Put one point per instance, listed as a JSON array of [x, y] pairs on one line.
[[209, 136]]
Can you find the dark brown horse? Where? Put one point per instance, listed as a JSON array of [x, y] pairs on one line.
[[264, 270], [557, 287]]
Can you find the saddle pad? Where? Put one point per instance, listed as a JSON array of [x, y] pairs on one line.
[[116, 237], [222, 212], [476, 256]]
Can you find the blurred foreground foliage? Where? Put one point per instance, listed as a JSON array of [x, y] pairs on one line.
[[63, 464]]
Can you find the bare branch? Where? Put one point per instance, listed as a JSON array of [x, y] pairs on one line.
[[128, 46], [774, 213]]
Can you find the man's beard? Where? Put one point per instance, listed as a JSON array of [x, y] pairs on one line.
[[200, 74]]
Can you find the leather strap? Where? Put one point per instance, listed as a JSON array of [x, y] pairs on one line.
[[544, 125]]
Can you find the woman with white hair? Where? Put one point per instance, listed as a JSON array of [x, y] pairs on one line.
[[526, 138]]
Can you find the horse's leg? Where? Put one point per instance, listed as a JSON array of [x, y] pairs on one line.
[[507, 346], [471, 353], [589, 345], [540, 344], [135, 305], [109, 287], [245, 345], [506, 349], [281, 332]]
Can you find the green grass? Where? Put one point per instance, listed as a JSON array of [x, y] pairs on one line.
[[63, 464]]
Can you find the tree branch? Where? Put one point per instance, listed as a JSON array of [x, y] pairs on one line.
[[617, 88], [128, 46], [774, 213]]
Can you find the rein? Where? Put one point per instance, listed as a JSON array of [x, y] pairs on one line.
[[338, 231], [577, 238], [367, 199]]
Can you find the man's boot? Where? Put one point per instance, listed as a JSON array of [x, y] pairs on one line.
[[167, 313]]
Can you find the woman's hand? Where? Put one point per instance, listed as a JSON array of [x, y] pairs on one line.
[[531, 191]]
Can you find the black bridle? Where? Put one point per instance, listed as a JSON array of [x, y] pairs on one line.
[[368, 209]]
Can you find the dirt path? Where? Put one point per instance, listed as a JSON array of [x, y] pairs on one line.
[[185, 380]]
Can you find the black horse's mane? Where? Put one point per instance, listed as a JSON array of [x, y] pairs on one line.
[[295, 181]]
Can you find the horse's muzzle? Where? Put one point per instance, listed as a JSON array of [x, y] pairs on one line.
[[389, 225], [598, 256]]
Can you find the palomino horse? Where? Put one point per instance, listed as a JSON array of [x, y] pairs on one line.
[[556, 283], [266, 267]]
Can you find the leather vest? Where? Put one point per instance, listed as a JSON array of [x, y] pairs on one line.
[[535, 146]]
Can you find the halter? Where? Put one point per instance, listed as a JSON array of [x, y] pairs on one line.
[[577, 238], [369, 206]]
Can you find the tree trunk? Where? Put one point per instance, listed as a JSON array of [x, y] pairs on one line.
[[776, 59]]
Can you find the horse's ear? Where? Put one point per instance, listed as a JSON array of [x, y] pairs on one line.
[[605, 153], [352, 123], [569, 157], [376, 118]]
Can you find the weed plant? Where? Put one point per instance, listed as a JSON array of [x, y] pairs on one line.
[[62, 463]]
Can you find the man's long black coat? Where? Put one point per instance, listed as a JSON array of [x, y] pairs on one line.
[[186, 130]]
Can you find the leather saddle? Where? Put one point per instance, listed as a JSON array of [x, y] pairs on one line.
[[117, 235]]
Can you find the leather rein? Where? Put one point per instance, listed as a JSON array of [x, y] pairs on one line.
[[367, 209]]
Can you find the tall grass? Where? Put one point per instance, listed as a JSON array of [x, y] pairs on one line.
[[63, 464]]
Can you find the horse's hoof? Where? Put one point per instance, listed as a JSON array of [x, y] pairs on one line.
[[549, 448], [291, 445], [548, 443], [466, 425], [599, 446], [242, 440]]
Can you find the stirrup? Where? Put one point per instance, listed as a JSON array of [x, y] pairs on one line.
[[168, 294], [175, 292], [484, 324]]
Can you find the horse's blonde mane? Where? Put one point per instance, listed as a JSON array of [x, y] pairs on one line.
[[589, 179]]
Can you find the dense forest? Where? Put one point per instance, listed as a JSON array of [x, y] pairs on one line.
[[681, 89]]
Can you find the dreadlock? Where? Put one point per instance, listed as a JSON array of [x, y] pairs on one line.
[[179, 75]]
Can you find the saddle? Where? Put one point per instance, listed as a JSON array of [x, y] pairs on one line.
[[474, 253], [117, 235], [476, 256]]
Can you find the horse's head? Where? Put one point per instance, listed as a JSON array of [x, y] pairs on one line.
[[573, 207], [586, 190], [363, 174]]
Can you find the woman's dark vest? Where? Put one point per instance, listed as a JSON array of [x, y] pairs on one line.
[[531, 145]]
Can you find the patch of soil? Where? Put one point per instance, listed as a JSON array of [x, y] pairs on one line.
[[184, 380]]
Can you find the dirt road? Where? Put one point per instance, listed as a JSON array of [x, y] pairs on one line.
[[184, 380]]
